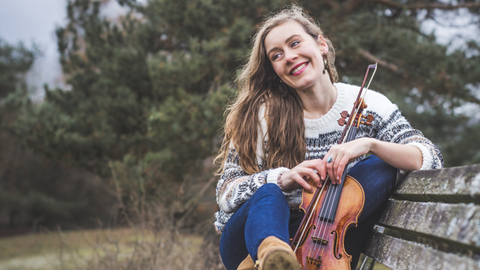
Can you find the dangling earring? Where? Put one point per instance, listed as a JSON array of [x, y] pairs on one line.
[[325, 63]]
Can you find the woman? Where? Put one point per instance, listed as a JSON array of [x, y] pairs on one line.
[[283, 130]]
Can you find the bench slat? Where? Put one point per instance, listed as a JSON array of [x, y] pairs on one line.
[[401, 254], [454, 222], [457, 184]]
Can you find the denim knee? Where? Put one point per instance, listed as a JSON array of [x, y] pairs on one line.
[[274, 192]]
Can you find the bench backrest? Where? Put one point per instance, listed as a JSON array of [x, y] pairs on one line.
[[432, 221]]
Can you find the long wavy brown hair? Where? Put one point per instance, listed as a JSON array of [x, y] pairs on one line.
[[259, 85]]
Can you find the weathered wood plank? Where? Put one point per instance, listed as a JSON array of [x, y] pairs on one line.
[[401, 254], [454, 222], [457, 184], [366, 263]]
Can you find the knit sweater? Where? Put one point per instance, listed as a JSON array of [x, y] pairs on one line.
[[235, 186]]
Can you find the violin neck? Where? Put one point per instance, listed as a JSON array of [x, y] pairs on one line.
[[329, 208], [330, 205], [351, 134]]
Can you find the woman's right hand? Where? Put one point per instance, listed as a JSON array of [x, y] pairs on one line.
[[297, 177]]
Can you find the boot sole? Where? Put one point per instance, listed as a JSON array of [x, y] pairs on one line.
[[281, 260]]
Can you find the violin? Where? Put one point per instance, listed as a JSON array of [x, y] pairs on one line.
[[332, 209]]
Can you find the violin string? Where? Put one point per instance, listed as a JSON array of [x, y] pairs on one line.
[[323, 232], [330, 206], [319, 224], [310, 216], [325, 212], [306, 223]]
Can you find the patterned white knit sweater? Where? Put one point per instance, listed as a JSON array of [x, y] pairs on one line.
[[235, 186]]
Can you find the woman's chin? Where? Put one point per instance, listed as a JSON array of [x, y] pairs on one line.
[[303, 86]]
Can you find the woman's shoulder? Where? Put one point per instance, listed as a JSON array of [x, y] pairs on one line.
[[376, 101]]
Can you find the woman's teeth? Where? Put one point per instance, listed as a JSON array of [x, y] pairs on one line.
[[299, 68]]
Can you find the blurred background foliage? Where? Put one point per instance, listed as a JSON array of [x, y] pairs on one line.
[[141, 117]]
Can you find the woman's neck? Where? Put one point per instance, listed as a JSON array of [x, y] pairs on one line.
[[318, 100]]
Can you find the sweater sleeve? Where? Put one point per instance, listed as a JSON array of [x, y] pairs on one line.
[[395, 128], [235, 186]]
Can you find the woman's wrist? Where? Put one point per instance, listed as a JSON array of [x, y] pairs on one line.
[[372, 145], [280, 182]]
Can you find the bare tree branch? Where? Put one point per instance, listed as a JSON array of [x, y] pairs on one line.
[[370, 57], [395, 69]]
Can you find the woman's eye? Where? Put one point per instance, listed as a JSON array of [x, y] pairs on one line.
[[275, 56], [295, 43]]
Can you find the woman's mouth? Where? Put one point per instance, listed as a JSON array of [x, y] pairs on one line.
[[298, 69]]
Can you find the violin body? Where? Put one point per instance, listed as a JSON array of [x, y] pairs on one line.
[[321, 246]]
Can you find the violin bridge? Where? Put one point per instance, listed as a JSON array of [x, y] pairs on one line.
[[319, 241], [315, 261]]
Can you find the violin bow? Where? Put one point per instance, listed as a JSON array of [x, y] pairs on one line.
[[360, 96]]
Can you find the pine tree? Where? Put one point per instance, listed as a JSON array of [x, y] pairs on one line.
[[149, 88], [35, 192]]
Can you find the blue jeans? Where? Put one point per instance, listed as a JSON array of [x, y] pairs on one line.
[[267, 213]]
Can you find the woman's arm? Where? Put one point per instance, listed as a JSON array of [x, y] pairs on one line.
[[391, 138], [401, 156], [235, 186]]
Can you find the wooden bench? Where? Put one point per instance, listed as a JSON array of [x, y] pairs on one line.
[[432, 221]]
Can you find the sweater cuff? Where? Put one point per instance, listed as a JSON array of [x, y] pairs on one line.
[[273, 174], [426, 156]]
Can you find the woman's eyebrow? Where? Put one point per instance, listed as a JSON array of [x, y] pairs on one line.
[[286, 42]]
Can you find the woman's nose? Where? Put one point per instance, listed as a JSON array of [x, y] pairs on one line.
[[290, 56]]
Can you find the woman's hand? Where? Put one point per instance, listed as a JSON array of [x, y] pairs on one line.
[[341, 155], [298, 176], [403, 157]]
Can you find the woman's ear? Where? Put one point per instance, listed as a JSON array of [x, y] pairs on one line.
[[323, 44]]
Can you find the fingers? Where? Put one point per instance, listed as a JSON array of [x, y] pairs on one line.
[[316, 171], [305, 174], [300, 174], [330, 167], [340, 155], [336, 161], [303, 183], [340, 168]]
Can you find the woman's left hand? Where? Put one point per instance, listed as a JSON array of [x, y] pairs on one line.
[[341, 154]]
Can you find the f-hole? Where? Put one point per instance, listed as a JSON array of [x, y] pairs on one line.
[[335, 245]]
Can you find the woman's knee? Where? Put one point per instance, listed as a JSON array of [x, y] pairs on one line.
[[272, 192]]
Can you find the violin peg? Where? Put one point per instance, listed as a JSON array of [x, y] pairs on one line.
[[341, 121], [366, 123], [344, 114], [370, 118]]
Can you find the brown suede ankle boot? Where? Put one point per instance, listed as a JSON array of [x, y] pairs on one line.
[[274, 254], [247, 264]]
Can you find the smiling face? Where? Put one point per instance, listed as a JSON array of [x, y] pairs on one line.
[[296, 56]]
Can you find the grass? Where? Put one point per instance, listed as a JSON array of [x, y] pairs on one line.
[[109, 249], [82, 249]]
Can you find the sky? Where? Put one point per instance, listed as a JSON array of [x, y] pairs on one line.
[[34, 21]]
